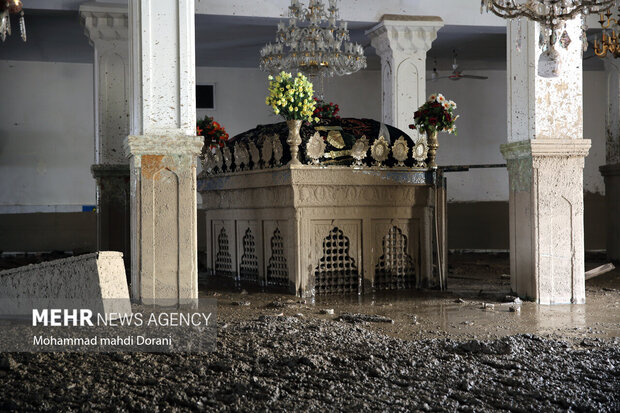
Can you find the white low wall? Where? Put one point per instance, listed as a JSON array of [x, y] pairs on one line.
[[92, 281]]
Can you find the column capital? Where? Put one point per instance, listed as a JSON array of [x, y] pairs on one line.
[[404, 34], [163, 145], [570, 148], [402, 43], [104, 21]]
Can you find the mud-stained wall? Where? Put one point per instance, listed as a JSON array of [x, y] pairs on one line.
[[45, 159], [45, 156], [47, 132]]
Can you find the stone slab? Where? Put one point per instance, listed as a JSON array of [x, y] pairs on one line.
[[95, 281]]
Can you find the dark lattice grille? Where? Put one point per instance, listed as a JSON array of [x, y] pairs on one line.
[[395, 269], [336, 272], [223, 259], [248, 270], [277, 270]]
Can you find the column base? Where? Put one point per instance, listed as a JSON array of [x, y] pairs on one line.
[[163, 218], [546, 219], [113, 212], [611, 174]]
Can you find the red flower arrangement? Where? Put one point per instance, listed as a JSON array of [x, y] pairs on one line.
[[326, 110], [435, 115], [212, 131]]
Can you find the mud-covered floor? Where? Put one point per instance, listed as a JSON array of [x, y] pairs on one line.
[[464, 350]]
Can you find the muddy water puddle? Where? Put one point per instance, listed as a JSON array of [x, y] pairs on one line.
[[472, 309]]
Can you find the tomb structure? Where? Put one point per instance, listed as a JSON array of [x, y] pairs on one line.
[[359, 215]]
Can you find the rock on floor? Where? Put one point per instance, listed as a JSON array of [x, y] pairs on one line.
[[291, 364]]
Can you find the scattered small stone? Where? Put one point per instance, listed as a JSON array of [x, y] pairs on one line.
[[459, 301], [241, 303], [216, 294], [282, 304], [512, 299], [514, 309], [467, 323], [276, 304], [414, 320], [505, 276], [270, 318], [299, 315], [488, 306], [329, 311], [244, 292], [374, 372], [357, 318], [7, 362]]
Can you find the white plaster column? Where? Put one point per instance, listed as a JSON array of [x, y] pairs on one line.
[[106, 26], [163, 148], [545, 155], [611, 170], [402, 43]]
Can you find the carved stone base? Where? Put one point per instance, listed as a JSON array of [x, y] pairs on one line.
[[113, 210], [328, 230], [163, 218], [546, 219], [611, 173]]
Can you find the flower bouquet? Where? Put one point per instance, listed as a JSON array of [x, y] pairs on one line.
[[326, 111], [212, 131], [435, 115], [291, 98]]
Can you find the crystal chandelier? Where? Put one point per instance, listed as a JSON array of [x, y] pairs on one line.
[[312, 43], [8, 7], [552, 16], [610, 42]]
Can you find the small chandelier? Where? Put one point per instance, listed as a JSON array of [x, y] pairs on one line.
[[552, 16], [8, 7], [610, 42], [312, 43]]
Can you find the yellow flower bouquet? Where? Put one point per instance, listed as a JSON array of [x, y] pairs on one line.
[[291, 97]]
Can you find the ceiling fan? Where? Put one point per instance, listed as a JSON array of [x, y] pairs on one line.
[[456, 73]]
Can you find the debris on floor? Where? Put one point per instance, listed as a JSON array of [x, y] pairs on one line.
[[361, 318], [287, 364], [595, 272]]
